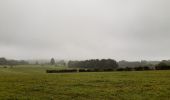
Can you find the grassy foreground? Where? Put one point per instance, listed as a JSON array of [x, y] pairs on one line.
[[32, 83]]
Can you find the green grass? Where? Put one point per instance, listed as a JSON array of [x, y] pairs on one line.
[[32, 83]]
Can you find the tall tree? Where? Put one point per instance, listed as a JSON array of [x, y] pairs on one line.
[[52, 62]]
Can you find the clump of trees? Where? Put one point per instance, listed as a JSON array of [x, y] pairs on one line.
[[107, 65], [94, 64], [133, 64], [61, 71], [4, 61], [163, 65]]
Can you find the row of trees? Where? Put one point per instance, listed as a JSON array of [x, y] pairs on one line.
[[163, 65], [4, 61], [99, 64], [94, 63], [145, 65], [121, 65], [132, 64]]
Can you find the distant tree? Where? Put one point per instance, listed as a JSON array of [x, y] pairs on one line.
[[23, 62], [3, 61], [36, 63], [52, 61], [133, 64], [94, 64], [12, 63], [163, 65], [128, 69], [61, 63], [140, 68], [146, 68]]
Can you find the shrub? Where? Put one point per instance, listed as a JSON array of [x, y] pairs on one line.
[[128, 69], [162, 66], [138, 68], [120, 69], [146, 68], [4, 66], [108, 70], [82, 70], [61, 71]]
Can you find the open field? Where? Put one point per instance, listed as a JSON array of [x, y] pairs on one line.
[[32, 83]]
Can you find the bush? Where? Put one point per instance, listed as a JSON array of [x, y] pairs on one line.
[[94, 64], [128, 69], [108, 70], [89, 70], [61, 71], [162, 66], [146, 68], [138, 68], [82, 70], [5, 67], [120, 69]]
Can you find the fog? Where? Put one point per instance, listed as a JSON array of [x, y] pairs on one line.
[[85, 29]]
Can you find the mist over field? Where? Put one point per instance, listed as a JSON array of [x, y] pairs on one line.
[[85, 29]]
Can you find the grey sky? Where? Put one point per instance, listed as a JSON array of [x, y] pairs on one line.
[[83, 29]]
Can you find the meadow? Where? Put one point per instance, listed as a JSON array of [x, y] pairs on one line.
[[31, 82]]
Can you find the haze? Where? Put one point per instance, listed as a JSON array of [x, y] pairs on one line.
[[85, 29]]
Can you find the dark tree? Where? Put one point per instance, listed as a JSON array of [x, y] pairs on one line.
[[52, 61], [12, 63], [163, 65], [36, 63], [94, 64], [3, 61]]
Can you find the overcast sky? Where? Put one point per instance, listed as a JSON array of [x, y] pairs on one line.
[[84, 29]]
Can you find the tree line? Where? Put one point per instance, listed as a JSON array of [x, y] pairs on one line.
[[94, 63], [163, 65], [99, 64], [121, 65], [4, 61]]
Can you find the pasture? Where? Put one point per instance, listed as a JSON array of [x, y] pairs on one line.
[[31, 82]]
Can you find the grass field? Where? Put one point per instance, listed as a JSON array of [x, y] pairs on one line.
[[32, 83]]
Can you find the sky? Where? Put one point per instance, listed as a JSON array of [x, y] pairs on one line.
[[85, 29]]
